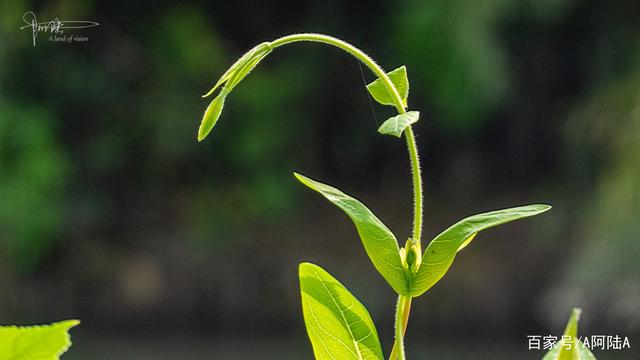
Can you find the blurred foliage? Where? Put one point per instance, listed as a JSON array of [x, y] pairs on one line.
[[33, 174], [605, 130], [99, 164], [458, 57]]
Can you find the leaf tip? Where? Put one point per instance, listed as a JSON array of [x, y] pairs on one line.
[[71, 323], [202, 133], [211, 116], [66, 324], [303, 179], [575, 314], [303, 266], [544, 207], [306, 268]]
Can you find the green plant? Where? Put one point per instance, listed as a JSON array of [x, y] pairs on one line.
[[570, 347], [338, 325], [46, 342]]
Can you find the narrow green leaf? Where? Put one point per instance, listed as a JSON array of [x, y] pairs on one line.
[[237, 65], [246, 68], [232, 77], [396, 125], [439, 254], [338, 325], [46, 342], [570, 347], [211, 115], [399, 79], [379, 242]]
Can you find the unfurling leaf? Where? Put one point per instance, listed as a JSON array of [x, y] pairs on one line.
[[439, 254], [338, 325], [379, 242], [399, 79], [241, 62], [570, 347], [211, 115], [243, 71], [396, 125], [232, 77], [46, 342]]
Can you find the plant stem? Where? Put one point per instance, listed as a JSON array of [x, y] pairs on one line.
[[404, 302], [400, 107], [405, 321], [402, 315], [417, 186]]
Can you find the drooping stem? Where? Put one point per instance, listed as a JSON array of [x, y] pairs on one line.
[[404, 302], [397, 100]]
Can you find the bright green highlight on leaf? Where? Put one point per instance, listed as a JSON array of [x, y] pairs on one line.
[[570, 347], [379, 242], [46, 342], [396, 125], [338, 325], [467, 242], [211, 115], [439, 254], [399, 79]]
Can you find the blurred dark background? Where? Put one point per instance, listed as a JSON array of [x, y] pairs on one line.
[[166, 248]]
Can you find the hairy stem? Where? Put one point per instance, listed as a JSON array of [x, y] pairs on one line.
[[404, 302], [417, 186], [405, 322], [402, 315], [377, 70]]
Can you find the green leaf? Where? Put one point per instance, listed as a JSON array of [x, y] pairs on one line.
[[246, 68], [439, 254], [232, 77], [570, 347], [338, 325], [379, 242], [583, 352], [211, 115], [396, 125], [46, 342], [255, 51], [399, 79]]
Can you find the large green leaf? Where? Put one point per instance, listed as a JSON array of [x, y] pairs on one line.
[[399, 79], [439, 254], [570, 347], [395, 125], [379, 242], [338, 325], [46, 342]]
